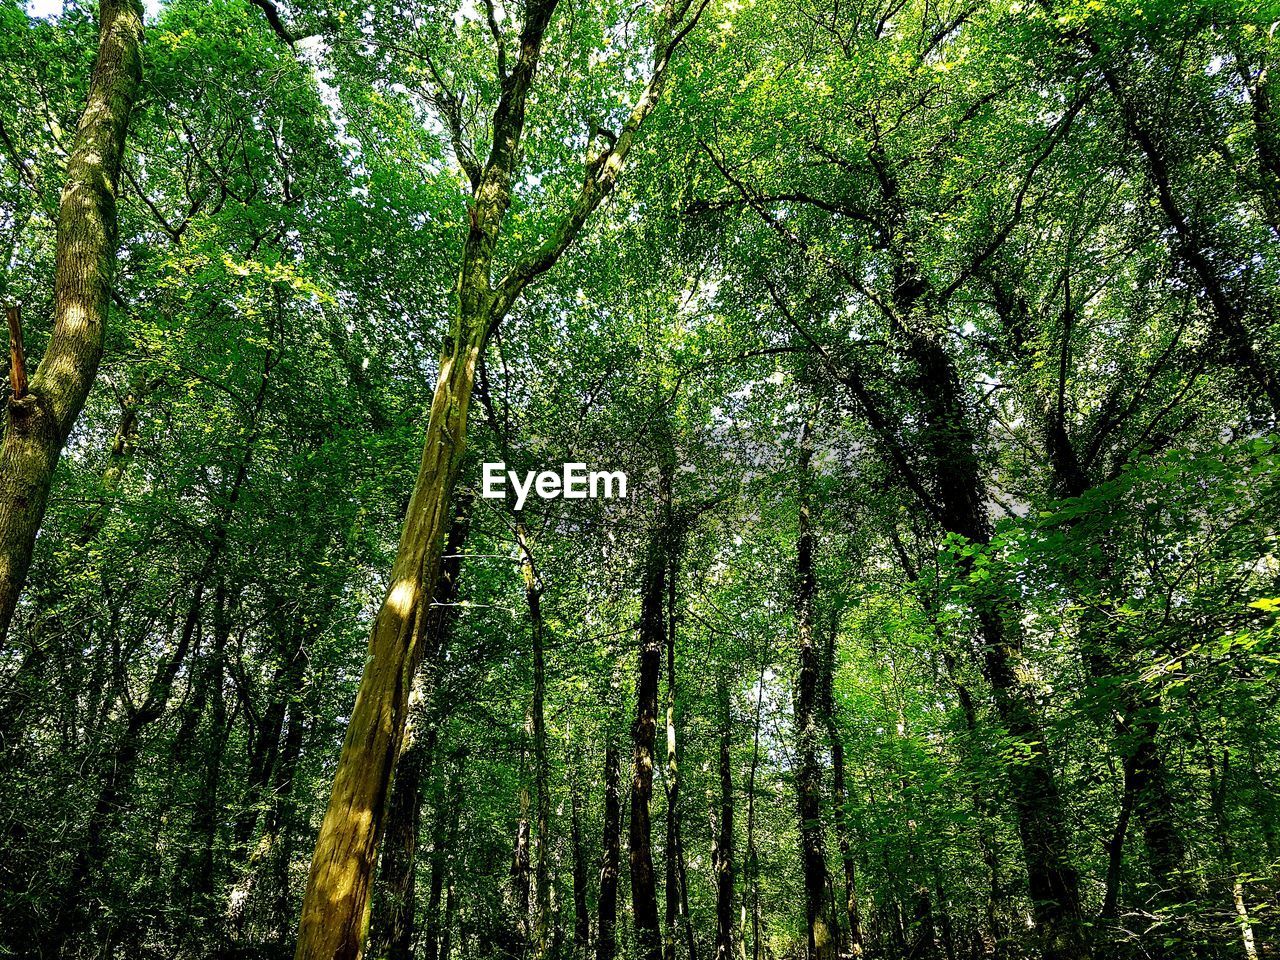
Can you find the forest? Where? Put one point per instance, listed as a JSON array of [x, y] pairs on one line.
[[937, 343]]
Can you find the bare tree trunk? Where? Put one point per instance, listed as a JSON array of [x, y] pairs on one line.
[[38, 422]]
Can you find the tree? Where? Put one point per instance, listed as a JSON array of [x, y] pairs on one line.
[[41, 412]]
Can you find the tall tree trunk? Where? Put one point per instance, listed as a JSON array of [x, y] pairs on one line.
[[268, 863], [839, 790], [335, 906], [120, 767], [264, 748], [644, 894], [951, 448], [823, 933], [393, 923], [444, 850], [611, 858], [1106, 655], [395, 905], [38, 423], [540, 926], [450, 910], [751, 878], [581, 917], [519, 891], [677, 897], [1219, 783], [723, 866], [204, 825], [1115, 848]]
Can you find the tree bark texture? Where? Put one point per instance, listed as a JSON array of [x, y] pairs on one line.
[[37, 424]]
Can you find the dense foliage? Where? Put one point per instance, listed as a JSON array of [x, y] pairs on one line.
[[938, 340]]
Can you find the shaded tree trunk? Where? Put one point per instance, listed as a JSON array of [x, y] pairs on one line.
[[1219, 783], [204, 825], [38, 423], [541, 920], [611, 858], [267, 865], [1146, 791], [950, 448], [335, 905], [581, 917], [839, 791], [519, 893], [644, 894], [677, 895], [823, 933], [120, 767], [751, 878], [724, 862], [450, 910], [444, 848]]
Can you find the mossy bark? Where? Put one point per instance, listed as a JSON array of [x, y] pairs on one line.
[[38, 422]]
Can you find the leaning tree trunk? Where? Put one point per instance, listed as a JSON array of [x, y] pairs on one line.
[[39, 420], [823, 933], [335, 906], [393, 925]]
